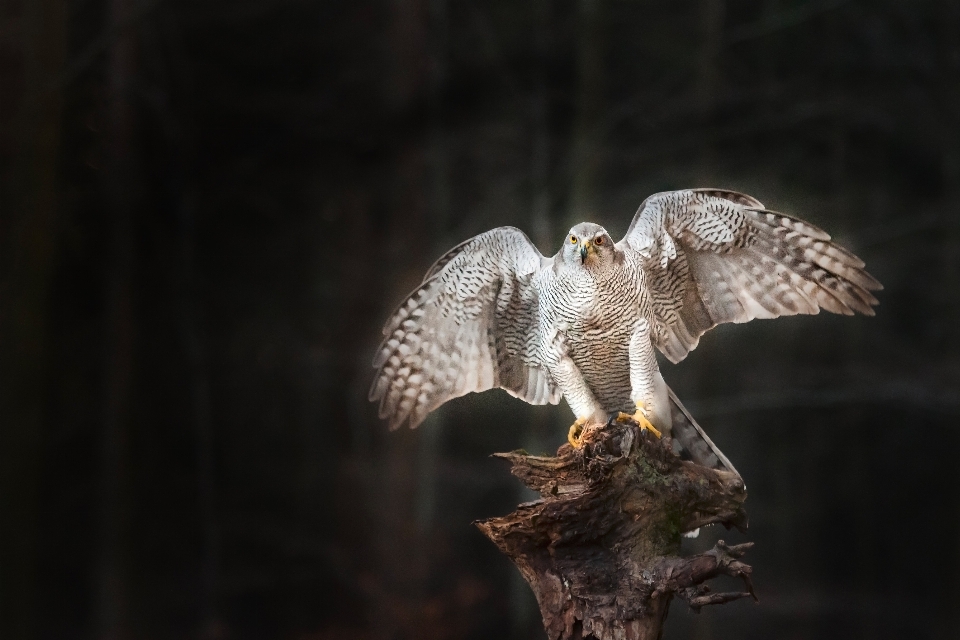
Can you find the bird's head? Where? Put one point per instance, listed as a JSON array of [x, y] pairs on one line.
[[588, 245]]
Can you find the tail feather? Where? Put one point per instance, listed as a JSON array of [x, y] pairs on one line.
[[691, 442]]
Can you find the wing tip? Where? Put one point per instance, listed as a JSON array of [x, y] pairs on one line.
[[872, 283]]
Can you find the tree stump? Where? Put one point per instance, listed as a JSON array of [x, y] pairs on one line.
[[600, 548]]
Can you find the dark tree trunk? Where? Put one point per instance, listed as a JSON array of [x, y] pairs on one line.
[[119, 190], [600, 548], [33, 40]]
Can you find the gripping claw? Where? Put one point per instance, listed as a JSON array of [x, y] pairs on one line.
[[640, 417], [576, 430]]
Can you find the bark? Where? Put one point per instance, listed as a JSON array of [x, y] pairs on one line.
[[600, 548]]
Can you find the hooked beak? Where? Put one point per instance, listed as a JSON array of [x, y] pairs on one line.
[[584, 251]]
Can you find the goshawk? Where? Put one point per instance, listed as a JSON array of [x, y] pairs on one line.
[[584, 325]]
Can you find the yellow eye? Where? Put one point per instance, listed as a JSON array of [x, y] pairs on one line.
[[598, 241], [573, 239]]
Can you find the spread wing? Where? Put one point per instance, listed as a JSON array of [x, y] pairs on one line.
[[713, 256], [471, 325]]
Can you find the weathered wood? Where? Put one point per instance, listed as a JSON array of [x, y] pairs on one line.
[[600, 549]]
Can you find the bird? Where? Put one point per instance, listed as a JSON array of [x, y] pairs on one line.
[[585, 325]]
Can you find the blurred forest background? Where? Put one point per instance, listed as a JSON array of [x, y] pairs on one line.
[[208, 208]]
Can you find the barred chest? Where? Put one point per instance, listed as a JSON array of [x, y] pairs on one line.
[[600, 314]]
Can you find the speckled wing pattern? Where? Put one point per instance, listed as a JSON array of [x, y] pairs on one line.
[[471, 325], [714, 256]]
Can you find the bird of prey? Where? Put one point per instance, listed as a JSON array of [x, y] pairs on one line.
[[585, 324]]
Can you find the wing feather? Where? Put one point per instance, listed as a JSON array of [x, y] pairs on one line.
[[469, 326], [713, 256]]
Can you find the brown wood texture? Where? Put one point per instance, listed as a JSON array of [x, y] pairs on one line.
[[600, 548]]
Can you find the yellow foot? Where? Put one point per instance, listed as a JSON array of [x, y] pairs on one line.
[[576, 430], [640, 418]]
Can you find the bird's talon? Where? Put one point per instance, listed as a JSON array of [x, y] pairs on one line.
[[641, 419], [649, 427], [576, 430]]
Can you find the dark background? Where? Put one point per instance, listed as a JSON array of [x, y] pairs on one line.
[[208, 208]]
